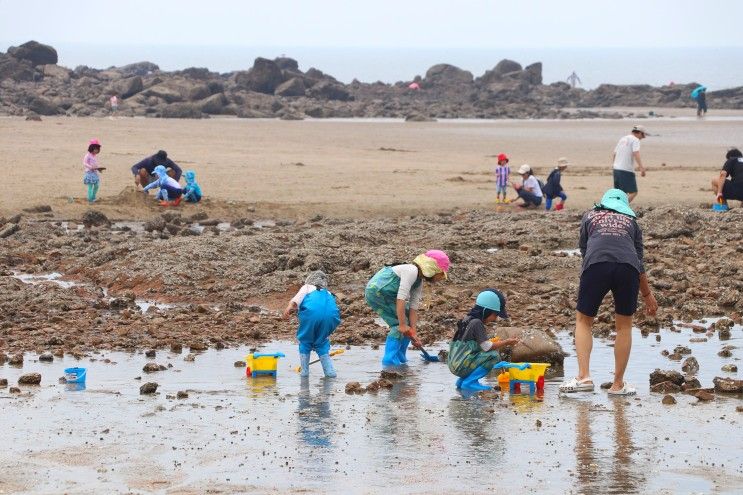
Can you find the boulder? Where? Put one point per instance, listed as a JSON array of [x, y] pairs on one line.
[[200, 73], [535, 346], [42, 106], [660, 376], [690, 365], [164, 91], [666, 387], [287, 63], [293, 87], [148, 388], [505, 66], [264, 77], [127, 87], [181, 111], [213, 104], [30, 379], [447, 75], [329, 90], [533, 74], [57, 72], [34, 52], [138, 69], [16, 70], [94, 218], [728, 385]]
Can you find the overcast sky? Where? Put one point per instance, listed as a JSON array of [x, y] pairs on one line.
[[377, 23]]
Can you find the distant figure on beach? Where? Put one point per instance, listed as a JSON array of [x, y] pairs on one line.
[[699, 94], [502, 172], [414, 86], [529, 190], [114, 101], [143, 171], [91, 168], [170, 192], [553, 188], [729, 184], [574, 80], [626, 153]]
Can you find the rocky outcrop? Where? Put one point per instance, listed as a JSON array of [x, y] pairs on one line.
[[264, 77], [447, 75], [34, 52]]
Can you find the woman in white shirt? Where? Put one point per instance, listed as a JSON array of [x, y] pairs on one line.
[[529, 189]]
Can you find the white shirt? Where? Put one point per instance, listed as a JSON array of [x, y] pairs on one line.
[[302, 292], [624, 159], [408, 274], [532, 183]]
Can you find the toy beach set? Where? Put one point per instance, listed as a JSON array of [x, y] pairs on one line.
[[516, 374]]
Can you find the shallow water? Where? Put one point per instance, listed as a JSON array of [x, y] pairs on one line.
[[238, 434]]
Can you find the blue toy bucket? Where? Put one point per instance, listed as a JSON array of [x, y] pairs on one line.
[[75, 375], [720, 207]]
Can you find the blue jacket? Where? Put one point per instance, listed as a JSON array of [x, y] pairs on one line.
[[191, 185]]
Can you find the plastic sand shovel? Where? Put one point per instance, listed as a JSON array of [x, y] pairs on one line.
[[427, 356], [332, 353]]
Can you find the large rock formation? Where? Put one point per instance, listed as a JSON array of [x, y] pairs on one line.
[[34, 52]]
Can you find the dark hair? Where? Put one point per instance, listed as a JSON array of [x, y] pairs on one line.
[[733, 153], [92, 147], [161, 155]]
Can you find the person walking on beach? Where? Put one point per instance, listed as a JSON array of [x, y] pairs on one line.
[[114, 101], [574, 80], [611, 246], [143, 171], [395, 294], [91, 168], [729, 184], [626, 153], [699, 94], [502, 172]]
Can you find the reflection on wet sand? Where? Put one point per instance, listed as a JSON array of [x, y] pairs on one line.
[[597, 472]]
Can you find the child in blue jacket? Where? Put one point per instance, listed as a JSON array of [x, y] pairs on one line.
[[318, 318], [170, 193], [192, 191]]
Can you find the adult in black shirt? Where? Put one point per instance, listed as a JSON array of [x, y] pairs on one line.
[[142, 171], [729, 184]]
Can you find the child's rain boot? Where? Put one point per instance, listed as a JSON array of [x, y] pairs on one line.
[[559, 206], [327, 366], [401, 353], [459, 383], [471, 382], [304, 363], [391, 351]]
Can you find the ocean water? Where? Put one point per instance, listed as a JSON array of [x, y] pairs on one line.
[[717, 68]]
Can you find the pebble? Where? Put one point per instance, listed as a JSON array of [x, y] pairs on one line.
[[182, 394], [14, 390], [46, 357], [739, 408], [390, 375], [704, 396], [690, 365], [190, 358], [354, 388], [152, 368], [240, 364], [668, 400], [730, 368], [30, 379], [16, 360], [150, 353], [3, 382], [176, 348], [148, 388], [606, 385]]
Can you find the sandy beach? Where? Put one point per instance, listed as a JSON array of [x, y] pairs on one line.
[[354, 167]]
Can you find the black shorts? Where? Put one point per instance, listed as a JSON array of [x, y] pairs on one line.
[[732, 190], [625, 181], [622, 279]]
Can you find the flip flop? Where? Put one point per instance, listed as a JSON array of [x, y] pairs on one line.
[[626, 389], [576, 385]]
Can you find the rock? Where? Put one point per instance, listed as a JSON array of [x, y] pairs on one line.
[[681, 349], [447, 75], [240, 364], [34, 52], [354, 388], [728, 385], [53, 70], [190, 358], [151, 368], [329, 90], [46, 357], [506, 66], [95, 218], [154, 224], [9, 230], [730, 368], [16, 360], [606, 385], [703, 395], [38, 209], [725, 353], [184, 110], [62, 380], [418, 117], [264, 77], [150, 353], [739, 408], [33, 117], [690, 366], [16, 70], [536, 346], [691, 382], [127, 87], [667, 387], [533, 74], [182, 394], [293, 87], [659, 376], [138, 69], [377, 384], [443, 355], [148, 388], [14, 390], [176, 348], [729, 298], [198, 346], [30, 379], [668, 400], [43, 106], [390, 375], [213, 104], [3, 382]]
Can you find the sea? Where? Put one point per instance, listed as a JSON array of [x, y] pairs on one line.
[[715, 67]]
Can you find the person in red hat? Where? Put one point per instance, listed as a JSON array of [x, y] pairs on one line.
[[502, 171]]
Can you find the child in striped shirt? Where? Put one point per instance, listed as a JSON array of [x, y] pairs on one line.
[[502, 171]]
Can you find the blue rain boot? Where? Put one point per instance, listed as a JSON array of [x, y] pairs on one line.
[[304, 363], [401, 353], [459, 383], [391, 351], [327, 366], [471, 382]]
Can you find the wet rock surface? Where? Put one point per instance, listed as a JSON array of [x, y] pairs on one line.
[[728, 385], [30, 379], [148, 388]]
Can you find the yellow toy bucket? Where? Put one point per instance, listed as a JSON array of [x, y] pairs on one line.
[[531, 374], [262, 363]]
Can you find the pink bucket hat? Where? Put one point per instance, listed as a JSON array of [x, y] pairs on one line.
[[442, 260], [94, 141]]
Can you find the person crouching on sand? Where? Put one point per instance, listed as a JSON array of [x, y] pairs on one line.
[[529, 190], [395, 294], [553, 188], [192, 191], [611, 246], [471, 353], [170, 193], [318, 318]]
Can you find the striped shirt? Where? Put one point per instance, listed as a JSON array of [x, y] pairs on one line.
[[501, 175]]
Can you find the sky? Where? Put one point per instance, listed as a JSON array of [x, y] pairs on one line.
[[376, 23]]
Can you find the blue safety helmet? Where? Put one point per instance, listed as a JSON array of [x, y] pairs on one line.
[[493, 300]]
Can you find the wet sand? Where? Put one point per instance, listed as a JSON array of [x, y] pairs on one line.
[[354, 168]]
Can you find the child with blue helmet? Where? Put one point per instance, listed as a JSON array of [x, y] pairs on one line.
[[472, 354], [318, 318], [192, 191]]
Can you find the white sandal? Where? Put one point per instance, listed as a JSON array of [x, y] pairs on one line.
[[626, 389], [577, 385]]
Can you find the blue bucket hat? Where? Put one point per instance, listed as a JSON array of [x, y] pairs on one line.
[[493, 300], [616, 200], [160, 170]]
